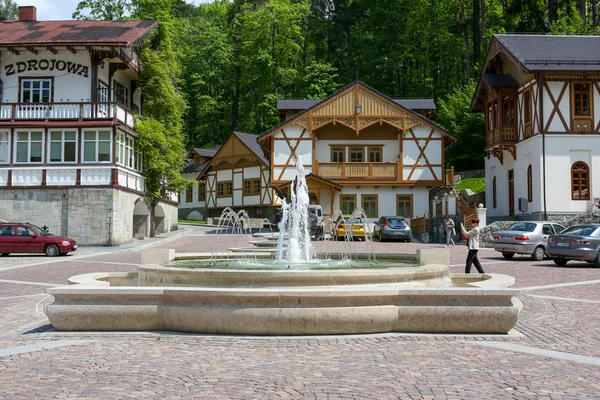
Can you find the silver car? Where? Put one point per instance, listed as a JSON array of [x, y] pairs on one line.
[[526, 237], [579, 242]]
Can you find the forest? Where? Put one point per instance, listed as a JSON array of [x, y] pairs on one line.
[[236, 58]]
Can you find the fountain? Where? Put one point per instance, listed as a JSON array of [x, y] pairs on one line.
[[296, 292]]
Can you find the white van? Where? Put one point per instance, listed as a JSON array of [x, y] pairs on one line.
[[318, 211]]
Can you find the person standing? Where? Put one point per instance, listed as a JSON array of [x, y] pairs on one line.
[[449, 227], [473, 244]]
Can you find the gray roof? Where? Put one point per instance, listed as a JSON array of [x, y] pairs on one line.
[[554, 53], [207, 152], [193, 168], [500, 80], [251, 141], [411, 104]]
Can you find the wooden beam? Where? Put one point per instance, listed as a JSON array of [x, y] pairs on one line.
[[72, 49], [14, 51], [52, 50], [32, 50]]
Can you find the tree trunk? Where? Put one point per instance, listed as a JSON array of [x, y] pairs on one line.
[[551, 11], [153, 204], [483, 23], [350, 53], [595, 12], [463, 22], [582, 11], [476, 32]]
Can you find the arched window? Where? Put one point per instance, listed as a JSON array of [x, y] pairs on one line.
[[580, 181], [494, 192], [529, 184]]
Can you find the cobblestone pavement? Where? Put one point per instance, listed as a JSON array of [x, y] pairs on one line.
[[554, 353]]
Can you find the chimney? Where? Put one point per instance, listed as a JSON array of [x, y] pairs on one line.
[[27, 13]]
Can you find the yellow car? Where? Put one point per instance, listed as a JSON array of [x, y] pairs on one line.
[[342, 226]]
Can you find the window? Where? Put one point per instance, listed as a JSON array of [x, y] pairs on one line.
[[529, 184], [129, 153], [121, 93], [357, 154], [494, 192], [580, 174], [527, 106], [138, 160], [348, 203], [36, 90], [508, 112], [189, 193], [103, 99], [224, 189], [337, 154], [4, 147], [404, 205], [201, 191], [581, 99], [120, 149], [374, 153], [495, 115], [369, 204], [63, 146], [96, 146], [251, 187], [29, 147]]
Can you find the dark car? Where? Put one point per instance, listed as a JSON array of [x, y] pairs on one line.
[[27, 238], [579, 242], [388, 228]]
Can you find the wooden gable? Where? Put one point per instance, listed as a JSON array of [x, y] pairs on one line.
[[233, 154]]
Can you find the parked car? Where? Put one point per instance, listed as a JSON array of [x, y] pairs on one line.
[[387, 228], [342, 225], [526, 237], [27, 238], [315, 227], [579, 242]]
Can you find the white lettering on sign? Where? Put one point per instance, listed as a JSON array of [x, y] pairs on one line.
[[46, 65]]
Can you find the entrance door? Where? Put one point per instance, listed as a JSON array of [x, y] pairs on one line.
[[511, 192]]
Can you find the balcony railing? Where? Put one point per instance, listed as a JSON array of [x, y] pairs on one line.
[[66, 112], [505, 134], [358, 170]]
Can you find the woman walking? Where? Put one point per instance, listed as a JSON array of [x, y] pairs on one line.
[[449, 227], [473, 244]]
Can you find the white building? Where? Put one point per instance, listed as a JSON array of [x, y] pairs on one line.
[[541, 99], [359, 148], [68, 95], [192, 201]]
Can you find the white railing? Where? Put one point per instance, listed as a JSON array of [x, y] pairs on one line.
[[131, 181], [66, 111]]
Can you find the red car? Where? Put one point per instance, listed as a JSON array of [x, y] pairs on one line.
[[26, 238]]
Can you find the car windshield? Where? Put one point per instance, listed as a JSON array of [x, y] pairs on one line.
[[582, 230], [39, 231], [522, 226], [399, 223], [356, 220]]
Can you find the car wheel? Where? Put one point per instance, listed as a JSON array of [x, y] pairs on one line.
[[538, 254], [597, 261], [5, 254], [561, 262], [507, 255], [51, 250]]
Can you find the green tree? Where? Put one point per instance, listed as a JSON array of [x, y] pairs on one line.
[[454, 115], [8, 9], [160, 127], [108, 10]]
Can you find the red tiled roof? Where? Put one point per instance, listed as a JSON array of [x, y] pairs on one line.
[[121, 33]]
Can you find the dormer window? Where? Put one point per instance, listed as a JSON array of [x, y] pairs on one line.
[[36, 90]]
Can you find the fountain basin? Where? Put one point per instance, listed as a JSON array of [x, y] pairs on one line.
[[287, 302]]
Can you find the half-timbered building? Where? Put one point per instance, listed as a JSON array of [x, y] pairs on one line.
[[68, 96], [192, 201], [360, 148], [238, 176], [541, 99]]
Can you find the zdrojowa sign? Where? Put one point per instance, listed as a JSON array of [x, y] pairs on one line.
[[46, 65]]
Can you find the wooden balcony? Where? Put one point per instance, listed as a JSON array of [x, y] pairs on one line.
[[501, 135], [351, 170], [67, 111]]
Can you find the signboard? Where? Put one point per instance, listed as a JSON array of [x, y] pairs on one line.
[[46, 65]]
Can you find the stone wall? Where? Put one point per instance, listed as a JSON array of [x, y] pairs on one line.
[[93, 217]]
